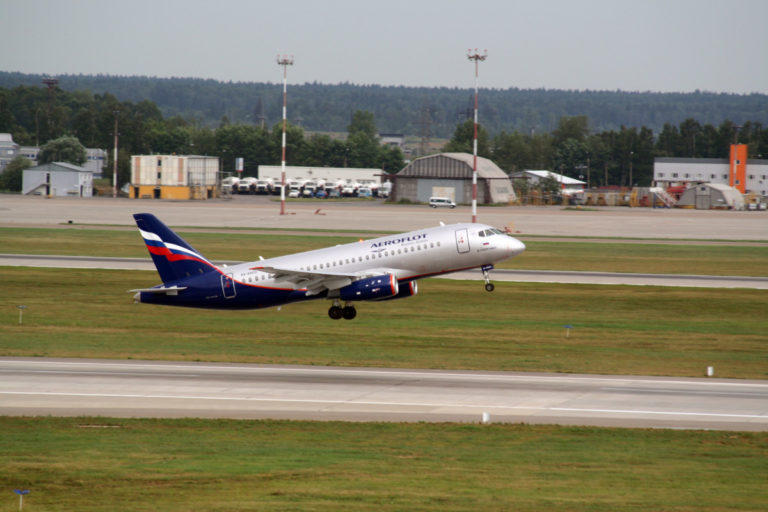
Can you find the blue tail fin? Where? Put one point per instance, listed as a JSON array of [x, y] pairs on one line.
[[173, 256]]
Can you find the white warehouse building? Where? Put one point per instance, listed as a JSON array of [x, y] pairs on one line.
[[690, 171], [57, 179]]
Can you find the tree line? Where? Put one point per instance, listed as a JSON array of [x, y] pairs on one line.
[[415, 111], [34, 118], [574, 147], [620, 157]]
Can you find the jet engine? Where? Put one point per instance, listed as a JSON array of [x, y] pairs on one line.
[[408, 290], [371, 288]]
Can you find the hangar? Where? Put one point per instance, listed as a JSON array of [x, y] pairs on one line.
[[706, 196], [450, 175]]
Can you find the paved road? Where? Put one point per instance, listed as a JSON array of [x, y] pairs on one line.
[[180, 389], [260, 212], [528, 276]]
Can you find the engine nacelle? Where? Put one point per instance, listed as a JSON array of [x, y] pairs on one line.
[[371, 288], [408, 290]]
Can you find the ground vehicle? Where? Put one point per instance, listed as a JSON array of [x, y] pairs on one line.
[[247, 185], [263, 187], [364, 192], [294, 192], [308, 189], [349, 190], [434, 202], [229, 184]]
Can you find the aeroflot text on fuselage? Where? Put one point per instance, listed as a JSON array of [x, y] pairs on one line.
[[343, 274], [401, 240]]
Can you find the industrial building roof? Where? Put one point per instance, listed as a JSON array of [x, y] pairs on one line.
[[452, 166], [61, 166], [542, 174]]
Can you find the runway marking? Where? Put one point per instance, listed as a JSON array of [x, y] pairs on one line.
[[398, 404], [104, 373], [668, 413]]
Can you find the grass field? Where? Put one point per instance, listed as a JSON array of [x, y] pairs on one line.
[[90, 464], [449, 324], [100, 464], [539, 255]]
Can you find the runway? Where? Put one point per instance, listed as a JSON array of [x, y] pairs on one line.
[[59, 387], [530, 276]]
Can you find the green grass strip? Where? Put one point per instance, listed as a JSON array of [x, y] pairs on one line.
[[449, 324], [99, 464], [539, 255]]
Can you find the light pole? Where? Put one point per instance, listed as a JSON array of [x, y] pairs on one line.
[[114, 165], [285, 61], [476, 56], [631, 154]]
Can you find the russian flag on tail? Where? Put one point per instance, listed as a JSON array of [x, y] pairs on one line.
[[172, 255]]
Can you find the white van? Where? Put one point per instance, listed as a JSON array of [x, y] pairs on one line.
[[434, 202]]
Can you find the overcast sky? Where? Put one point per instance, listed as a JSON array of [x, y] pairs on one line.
[[641, 45]]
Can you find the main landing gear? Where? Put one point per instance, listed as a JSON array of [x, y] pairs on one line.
[[348, 312], [489, 287]]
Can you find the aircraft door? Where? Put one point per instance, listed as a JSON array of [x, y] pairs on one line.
[[462, 240], [228, 286]]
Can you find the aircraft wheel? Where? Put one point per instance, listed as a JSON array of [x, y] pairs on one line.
[[335, 312], [349, 312], [489, 287]]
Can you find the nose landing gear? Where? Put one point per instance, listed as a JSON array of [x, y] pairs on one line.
[[348, 312], [489, 287]]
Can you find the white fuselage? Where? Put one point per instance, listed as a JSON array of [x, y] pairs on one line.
[[407, 256]]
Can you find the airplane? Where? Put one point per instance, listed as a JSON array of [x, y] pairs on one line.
[[384, 268]]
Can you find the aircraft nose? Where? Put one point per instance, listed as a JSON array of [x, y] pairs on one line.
[[515, 246]]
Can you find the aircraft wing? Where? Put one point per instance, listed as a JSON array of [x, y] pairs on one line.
[[318, 282], [314, 282]]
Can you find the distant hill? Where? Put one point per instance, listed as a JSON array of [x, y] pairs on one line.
[[411, 110]]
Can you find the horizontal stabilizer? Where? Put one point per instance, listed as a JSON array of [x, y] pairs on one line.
[[170, 290]]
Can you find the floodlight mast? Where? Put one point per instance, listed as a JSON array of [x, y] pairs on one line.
[[476, 56], [285, 61]]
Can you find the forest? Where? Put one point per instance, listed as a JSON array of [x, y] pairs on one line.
[[575, 145], [415, 111]]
